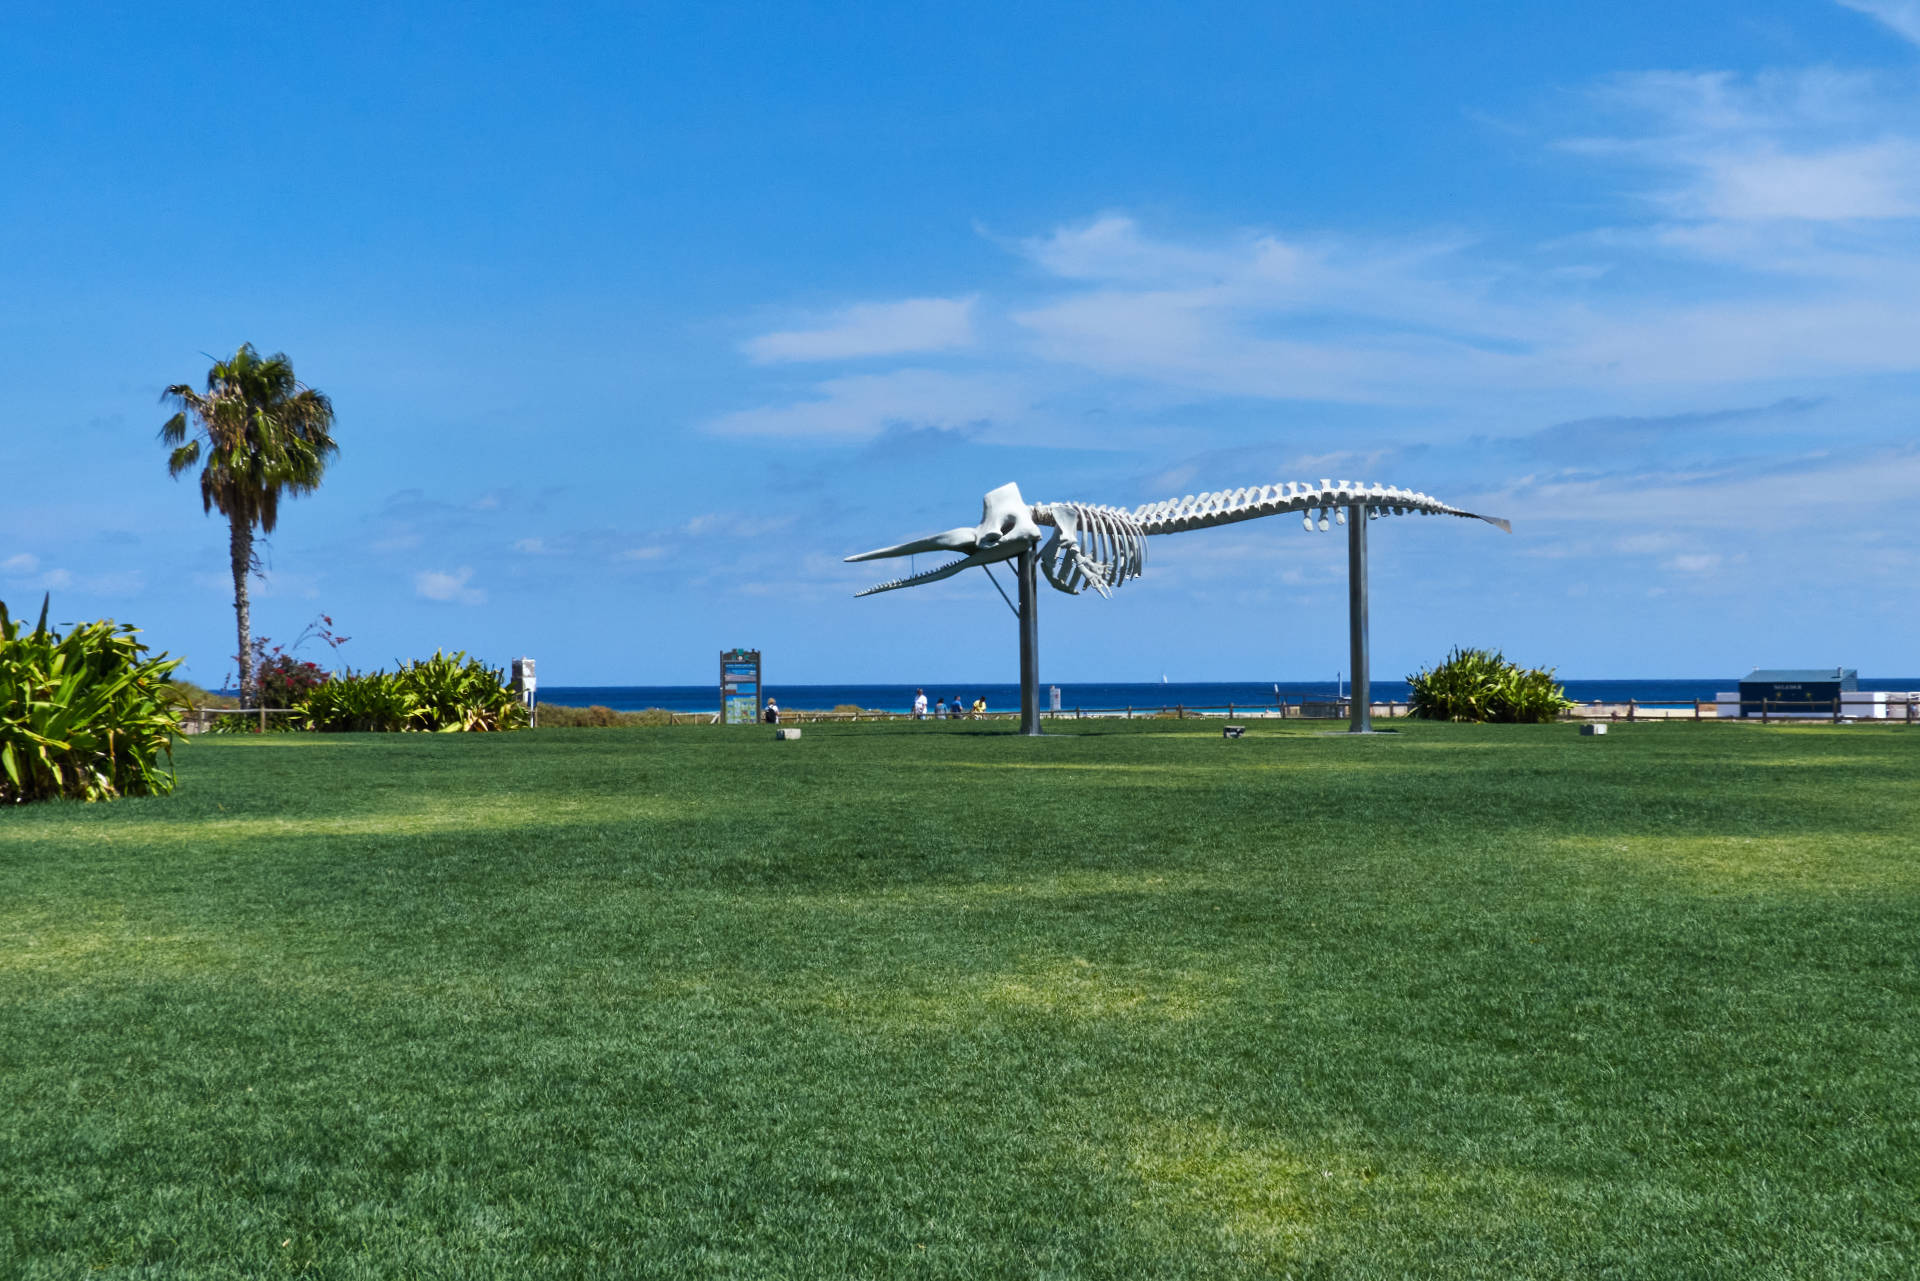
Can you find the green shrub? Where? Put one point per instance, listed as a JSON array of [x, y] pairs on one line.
[[378, 702], [441, 694], [460, 693], [553, 716], [198, 696], [1481, 685], [558, 716], [88, 716]]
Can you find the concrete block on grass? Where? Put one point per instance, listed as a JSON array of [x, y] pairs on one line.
[[784, 735], [1593, 729]]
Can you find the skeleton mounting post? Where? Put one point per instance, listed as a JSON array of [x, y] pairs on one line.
[[1362, 720], [1029, 575]]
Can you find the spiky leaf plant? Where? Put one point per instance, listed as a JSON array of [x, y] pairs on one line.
[[445, 693], [87, 716], [1481, 685]]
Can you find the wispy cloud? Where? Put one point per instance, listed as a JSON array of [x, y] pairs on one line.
[[449, 586], [20, 563], [873, 329], [1902, 16], [1817, 144], [863, 406]]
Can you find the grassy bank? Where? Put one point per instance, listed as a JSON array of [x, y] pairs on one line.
[[932, 1000]]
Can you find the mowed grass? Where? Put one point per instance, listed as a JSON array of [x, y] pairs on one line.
[[936, 1001]]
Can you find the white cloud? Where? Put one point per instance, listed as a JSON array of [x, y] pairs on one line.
[[440, 585], [1817, 145], [1782, 499], [1111, 249], [1261, 316], [1866, 181], [1902, 15], [21, 563], [873, 329], [861, 407], [733, 524]]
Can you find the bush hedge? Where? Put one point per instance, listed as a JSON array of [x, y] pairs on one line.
[[86, 716], [1481, 685], [441, 694], [559, 716]]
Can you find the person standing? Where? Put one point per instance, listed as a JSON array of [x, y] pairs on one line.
[[919, 704]]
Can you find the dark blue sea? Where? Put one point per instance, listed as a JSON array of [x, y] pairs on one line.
[[1098, 697]]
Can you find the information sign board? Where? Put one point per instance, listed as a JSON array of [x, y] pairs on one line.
[[739, 686]]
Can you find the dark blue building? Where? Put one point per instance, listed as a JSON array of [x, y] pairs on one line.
[[1795, 688]]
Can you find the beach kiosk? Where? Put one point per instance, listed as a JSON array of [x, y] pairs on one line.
[[1796, 692]]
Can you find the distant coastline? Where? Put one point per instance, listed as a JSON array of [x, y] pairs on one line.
[[1094, 694]]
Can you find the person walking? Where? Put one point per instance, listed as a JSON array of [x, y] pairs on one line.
[[919, 704]]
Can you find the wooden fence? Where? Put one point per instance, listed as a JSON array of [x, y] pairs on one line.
[[199, 719]]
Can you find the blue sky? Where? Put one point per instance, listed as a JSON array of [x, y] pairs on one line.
[[637, 321]]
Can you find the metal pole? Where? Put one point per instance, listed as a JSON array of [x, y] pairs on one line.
[[1029, 642], [1362, 722]]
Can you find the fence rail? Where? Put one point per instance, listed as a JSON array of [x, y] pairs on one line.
[[198, 719], [1303, 709]]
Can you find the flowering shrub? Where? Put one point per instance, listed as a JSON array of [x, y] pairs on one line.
[[282, 680]]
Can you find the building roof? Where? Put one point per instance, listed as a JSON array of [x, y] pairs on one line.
[[1800, 675]]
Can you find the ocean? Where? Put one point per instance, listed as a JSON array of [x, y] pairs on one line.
[[1110, 697]]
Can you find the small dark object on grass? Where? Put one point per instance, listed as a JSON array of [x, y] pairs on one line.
[[1232, 731]]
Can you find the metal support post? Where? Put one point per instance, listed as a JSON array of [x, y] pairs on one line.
[[1029, 574], [1362, 721]]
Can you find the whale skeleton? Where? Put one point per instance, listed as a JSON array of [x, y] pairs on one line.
[[1105, 547]]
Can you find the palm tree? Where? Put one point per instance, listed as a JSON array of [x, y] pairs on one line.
[[263, 432]]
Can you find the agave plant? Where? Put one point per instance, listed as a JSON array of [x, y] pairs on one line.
[[1481, 685], [351, 701], [461, 693], [87, 716]]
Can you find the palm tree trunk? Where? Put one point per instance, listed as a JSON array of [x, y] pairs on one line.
[[240, 544]]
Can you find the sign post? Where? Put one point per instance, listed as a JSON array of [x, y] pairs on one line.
[[523, 684], [739, 686]]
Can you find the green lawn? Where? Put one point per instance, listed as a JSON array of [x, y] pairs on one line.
[[933, 1000]]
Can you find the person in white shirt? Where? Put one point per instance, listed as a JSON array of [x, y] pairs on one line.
[[920, 704]]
